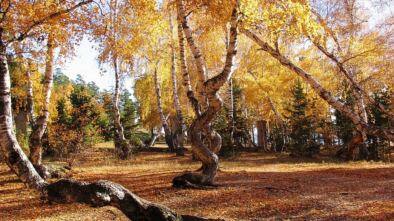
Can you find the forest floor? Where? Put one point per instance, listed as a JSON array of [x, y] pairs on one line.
[[252, 186]]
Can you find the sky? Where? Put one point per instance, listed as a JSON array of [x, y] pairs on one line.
[[86, 64], [85, 61]]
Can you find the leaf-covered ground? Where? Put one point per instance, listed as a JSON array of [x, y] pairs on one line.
[[252, 186]]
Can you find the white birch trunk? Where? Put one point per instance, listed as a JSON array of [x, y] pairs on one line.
[[96, 194], [184, 71], [198, 57], [180, 127], [40, 126], [163, 119], [207, 153], [322, 92], [122, 145]]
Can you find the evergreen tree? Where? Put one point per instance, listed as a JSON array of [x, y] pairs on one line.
[[128, 115], [343, 125], [59, 78], [62, 116], [234, 129], [302, 125], [380, 119], [106, 123]]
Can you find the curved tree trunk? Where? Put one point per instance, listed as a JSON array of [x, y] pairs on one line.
[[122, 145], [40, 126], [167, 131], [322, 92], [358, 89], [97, 194], [179, 132], [206, 153], [201, 72]]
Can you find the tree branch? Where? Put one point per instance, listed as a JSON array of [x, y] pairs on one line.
[[213, 84], [345, 72], [201, 72], [322, 92], [25, 34]]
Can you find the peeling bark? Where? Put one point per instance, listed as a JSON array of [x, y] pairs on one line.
[[35, 141], [185, 72], [198, 57], [322, 92], [206, 152]]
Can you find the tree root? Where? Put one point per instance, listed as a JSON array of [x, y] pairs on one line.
[[192, 180], [106, 193]]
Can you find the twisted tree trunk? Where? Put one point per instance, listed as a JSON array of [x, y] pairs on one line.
[[40, 125], [167, 131], [122, 146], [206, 153], [322, 92], [96, 194]]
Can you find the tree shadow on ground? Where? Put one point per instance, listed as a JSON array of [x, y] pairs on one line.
[[326, 194]]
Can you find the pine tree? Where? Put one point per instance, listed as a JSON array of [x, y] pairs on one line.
[[343, 125], [302, 125], [128, 115], [381, 120]]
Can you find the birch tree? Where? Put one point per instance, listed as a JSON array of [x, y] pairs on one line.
[[35, 141], [323, 93], [210, 103], [268, 32], [178, 133], [167, 131], [97, 194]]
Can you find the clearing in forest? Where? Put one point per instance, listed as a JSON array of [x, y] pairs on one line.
[[252, 186]]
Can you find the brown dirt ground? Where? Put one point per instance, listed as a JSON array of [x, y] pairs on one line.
[[252, 186]]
